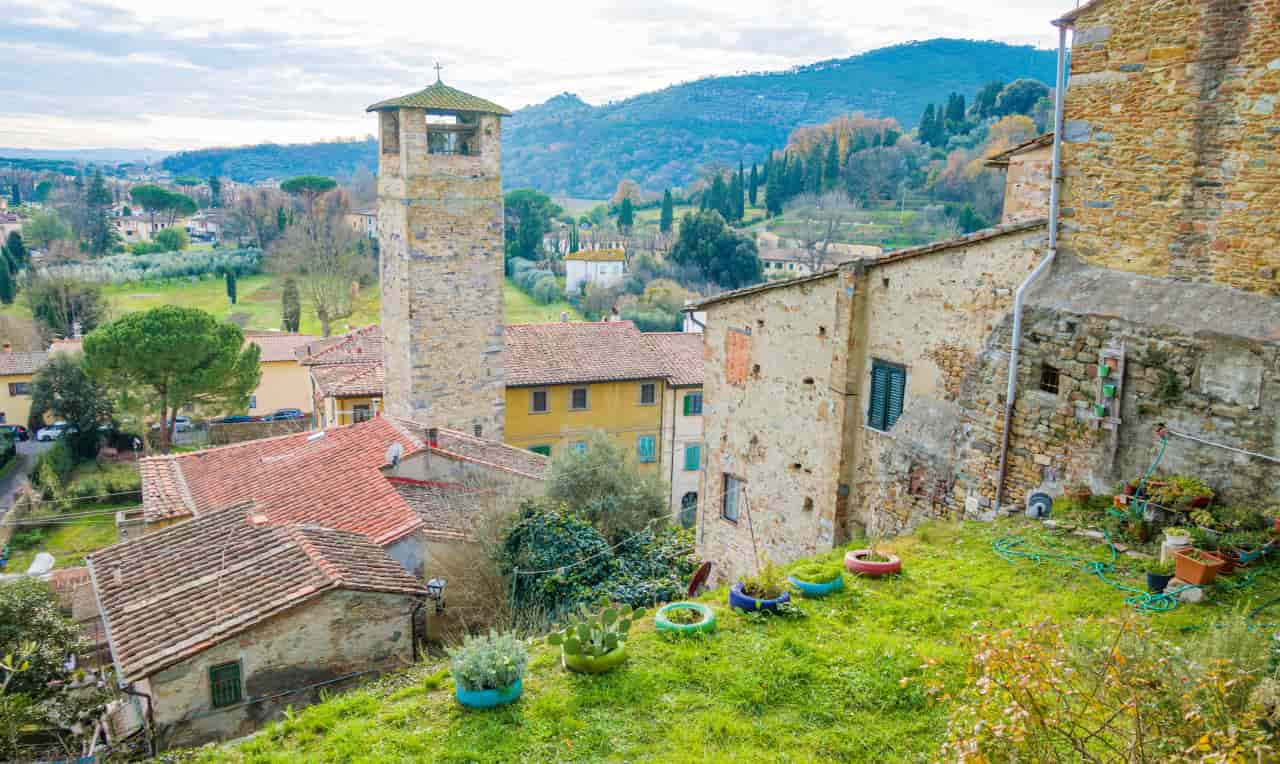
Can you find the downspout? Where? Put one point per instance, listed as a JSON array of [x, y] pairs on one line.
[[1054, 192]]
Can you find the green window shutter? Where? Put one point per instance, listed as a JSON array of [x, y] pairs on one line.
[[879, 394], [544, 450], [693, 458], [897, 391], [688, 404], [645, 445], [693, 404], [224, 684]]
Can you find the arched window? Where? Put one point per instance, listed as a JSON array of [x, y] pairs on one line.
[[688, 509]]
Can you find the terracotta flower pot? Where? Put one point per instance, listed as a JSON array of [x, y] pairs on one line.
[[1200, 572], [856, 562]]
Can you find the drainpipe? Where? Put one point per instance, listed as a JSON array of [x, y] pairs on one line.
[[1054, 192]]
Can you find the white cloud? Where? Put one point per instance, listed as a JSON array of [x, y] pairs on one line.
[[161, 74]]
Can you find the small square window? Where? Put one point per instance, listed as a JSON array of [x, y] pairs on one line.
[[253, 401], [646, 449], [648, 394], [224, 684], [693, 404], [729, 499], [578, 446], [19, 388], [1050, 379], [578, 399], [888, 389], [693, 457], [538, 402]]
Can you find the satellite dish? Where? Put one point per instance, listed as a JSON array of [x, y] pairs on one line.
[[394, 452], [1039, 505]]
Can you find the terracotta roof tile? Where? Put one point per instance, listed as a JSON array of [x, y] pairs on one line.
[[277, 346], [330, 477], [1001, 159], [577, 351], [449, 511], [21, 363], [491, 453], [682, 352], [598, 256], [172, 594], [441, 96], [360, 346], [342, 380]]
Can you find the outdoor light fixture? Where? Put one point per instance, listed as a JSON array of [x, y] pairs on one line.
[[435, 592]]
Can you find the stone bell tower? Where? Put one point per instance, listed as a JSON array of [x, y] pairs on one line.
[[440, 222]]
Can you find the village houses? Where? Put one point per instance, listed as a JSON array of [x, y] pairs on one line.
[[1135, 303], [598, 267]]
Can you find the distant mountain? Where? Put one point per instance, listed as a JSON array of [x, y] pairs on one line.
[[100, 156], [569, 147], [566, 146]]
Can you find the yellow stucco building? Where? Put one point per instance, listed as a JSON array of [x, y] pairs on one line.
[[345, 378], [286, 382], [16, 373]]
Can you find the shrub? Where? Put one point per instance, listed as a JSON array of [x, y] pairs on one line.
[[767, 584], [488, 661], [596, 634], [817, 572], [52, 467], [547, 291], [162, 266]]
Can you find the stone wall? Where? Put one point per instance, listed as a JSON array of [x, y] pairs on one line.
[[1170, 140], [337, 634], [930, 314], [773, 416], [440, 229], [1202, 359], [1027, 184]]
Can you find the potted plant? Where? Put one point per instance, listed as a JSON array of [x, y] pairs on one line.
[[685, 618], [488, 669], [1158, 575], [1108, 391], [764, 592], [872, 562], [1099, 409], [593, 643], [1177, 536], [816, 579], [1240, 548], [1196, 566], [1104, 370]]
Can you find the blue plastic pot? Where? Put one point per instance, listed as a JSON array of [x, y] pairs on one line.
[[817, 590], [744, 602], [490, 698]]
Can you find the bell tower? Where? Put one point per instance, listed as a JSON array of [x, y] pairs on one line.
[[440, 221]]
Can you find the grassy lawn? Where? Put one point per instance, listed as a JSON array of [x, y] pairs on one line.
[[828, 686], [89, 525], [523, 309]]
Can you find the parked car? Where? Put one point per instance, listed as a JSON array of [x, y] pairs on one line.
[[236, 419], [52, 432], [283, 414], [18, 432], [181, 424]]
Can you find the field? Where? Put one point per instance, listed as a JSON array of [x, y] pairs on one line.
[[843, 682], [83, 527], [258, 303]]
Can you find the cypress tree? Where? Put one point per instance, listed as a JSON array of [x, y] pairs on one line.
[[8, 288], [17, 248], [733, 203], [231, 286], [927, 126], [281, 222], [291, 306], [668, 213], [626, 213], [831, 173], [753, 184], [15, 195]]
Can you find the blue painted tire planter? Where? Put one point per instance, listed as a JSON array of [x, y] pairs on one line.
[[585, 664], [751, 604], [817, 590], [706, 624], [491, 698]]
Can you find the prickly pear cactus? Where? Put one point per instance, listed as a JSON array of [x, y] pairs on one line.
[[596, 634]]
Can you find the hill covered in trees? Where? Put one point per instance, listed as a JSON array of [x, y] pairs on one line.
[[660, 139]]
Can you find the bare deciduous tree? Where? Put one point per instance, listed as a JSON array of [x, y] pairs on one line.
[[819, 219], [326, 257]]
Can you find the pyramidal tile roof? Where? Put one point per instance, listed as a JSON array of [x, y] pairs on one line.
[[441, 96], [363, 345]]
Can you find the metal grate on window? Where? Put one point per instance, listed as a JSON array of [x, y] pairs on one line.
[[224, 684]]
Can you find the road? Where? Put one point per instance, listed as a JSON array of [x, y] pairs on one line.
[[27, 453]]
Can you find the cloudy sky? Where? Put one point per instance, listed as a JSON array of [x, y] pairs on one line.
[[170, 74]]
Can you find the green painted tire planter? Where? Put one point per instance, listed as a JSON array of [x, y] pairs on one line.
[[585, 664], [706, 625], [811, 590]]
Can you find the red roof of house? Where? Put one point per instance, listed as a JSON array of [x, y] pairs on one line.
[[279, 346], [362, 345], [682, 352], [578, 351], [329, 477], [172, 594], [21, 363], [345, 380]]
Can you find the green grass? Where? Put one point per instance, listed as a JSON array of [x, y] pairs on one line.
[[828, 686], [523, 309], [70, 539]]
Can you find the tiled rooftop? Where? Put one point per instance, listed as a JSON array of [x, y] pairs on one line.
[[577, 351], [683, 355]]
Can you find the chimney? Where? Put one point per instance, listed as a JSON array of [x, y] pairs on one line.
[[433, 437]]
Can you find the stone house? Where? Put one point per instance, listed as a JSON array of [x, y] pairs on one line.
[[1159, 264], [602, 267], [218, 624]]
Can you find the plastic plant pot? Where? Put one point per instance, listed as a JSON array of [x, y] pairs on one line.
[[856, 562], [1109, 391], [814, 591], [586, 664], [491, 698], [1156, 582], [1196, 571], [742, 601], [705, 624], [1104, 370], [1099, 409]]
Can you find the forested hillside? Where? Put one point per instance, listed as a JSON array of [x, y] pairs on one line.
[[660, 139]]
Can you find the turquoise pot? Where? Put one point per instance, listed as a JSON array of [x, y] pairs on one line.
[[817, 590], [490, 698]]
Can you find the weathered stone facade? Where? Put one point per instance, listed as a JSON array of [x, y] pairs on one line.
[[340, 634], [440, 219], [1199, 358], [1028, 179], [1171, 142]]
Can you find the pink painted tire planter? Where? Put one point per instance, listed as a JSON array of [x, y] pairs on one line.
[[854, 562]]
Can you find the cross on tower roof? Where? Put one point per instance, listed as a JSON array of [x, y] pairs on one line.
[[438, 67]]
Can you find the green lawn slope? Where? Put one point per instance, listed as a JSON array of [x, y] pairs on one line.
[[841, 683]]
